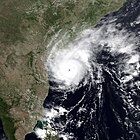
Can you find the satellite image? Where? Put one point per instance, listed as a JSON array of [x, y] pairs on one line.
[[70, 70]]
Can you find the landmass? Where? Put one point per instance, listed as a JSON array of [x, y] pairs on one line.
[[25, 29]]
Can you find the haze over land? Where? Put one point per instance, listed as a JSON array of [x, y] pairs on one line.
[[26, 30]]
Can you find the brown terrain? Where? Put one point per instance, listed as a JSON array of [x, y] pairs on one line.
[[26, 26]]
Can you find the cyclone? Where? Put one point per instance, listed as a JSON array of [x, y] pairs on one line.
[[94, 81], [69, 66]]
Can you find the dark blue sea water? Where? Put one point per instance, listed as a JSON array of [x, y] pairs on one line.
[[31, 136], [106, 110], [2, 134]]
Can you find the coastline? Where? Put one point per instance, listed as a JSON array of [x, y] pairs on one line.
[[22, 69]]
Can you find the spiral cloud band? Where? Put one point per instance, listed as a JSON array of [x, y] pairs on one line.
[[94, 80]]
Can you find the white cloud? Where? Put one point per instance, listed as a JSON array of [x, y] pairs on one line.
[[41, 133]]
